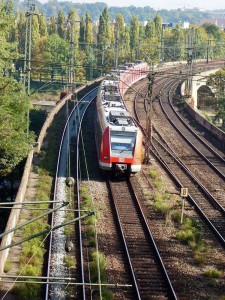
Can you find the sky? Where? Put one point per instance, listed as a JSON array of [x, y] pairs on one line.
[[159, 4]]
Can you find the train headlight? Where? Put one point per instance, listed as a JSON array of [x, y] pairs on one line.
[[106, 157]]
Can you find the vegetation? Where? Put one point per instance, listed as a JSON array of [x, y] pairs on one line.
[[212, 273], [98, 262], [189, 232], [174, 15], [94, 53], [217, 82], [32, 255]]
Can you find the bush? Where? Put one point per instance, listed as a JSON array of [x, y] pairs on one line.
[[8, 266], [70, 261], [162, 203], [26, 291], [200, 258], [158, 183], [153, 174], [212, 273], [185, 235], [98, 257]]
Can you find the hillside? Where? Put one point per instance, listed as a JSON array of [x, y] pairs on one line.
[[144, 13]]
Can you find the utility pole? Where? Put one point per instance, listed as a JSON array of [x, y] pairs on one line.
[[71, 69], [161, 52], [27, 59], [71, 58], [190, 64], [148, 139]]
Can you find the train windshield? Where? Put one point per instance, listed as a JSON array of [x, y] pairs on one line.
[[122, 141]]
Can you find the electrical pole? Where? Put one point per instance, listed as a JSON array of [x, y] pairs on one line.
[[148, 138], [71, 58], [190, 64], [161, 53], [27, 58]]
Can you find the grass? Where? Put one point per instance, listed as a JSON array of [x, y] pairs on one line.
[[212, 273], [70, 262], [189, 231], [8, 266], [163, 203], [153, 174], [98, 261]]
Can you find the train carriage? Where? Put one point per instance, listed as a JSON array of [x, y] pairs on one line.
[[118, 139]]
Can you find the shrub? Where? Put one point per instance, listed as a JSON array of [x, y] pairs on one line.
[[98, 257], [158, 183], [26, 291], [185, 235], [200, 258], [70, 261], [8, 266], [153, 174], [212, 273], [162, 203]]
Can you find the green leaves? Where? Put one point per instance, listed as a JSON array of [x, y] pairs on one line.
[[14, 144]]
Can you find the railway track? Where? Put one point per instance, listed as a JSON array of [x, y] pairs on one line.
[[214, 159], [56, 267], [200, 197], [149, 275], [211, 209]]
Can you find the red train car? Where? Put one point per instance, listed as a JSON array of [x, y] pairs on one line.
[[118, 139]]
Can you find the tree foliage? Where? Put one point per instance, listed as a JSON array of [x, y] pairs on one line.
[[14, 144], [217, 83]]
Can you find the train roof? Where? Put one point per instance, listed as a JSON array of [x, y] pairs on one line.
[[112, 106]]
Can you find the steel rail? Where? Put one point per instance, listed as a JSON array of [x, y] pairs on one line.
[[55, 189], [147, 230]]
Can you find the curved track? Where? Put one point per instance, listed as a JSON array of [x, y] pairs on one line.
[[211, 209], [56, 266]]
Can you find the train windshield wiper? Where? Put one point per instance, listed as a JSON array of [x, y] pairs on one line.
[[124, 149]]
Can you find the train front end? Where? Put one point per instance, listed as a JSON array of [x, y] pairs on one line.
[[121, 145]]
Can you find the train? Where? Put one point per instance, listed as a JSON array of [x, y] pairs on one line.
[[118, 138]]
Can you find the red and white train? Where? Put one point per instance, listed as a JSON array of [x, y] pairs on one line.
[[118, 139]]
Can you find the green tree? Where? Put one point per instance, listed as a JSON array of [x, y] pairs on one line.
[[121, 37], [212, 30], [43, 30], [7, 49], [14, 145], [52, 27], [134, 35], [150, 29], [82, 32], [88, 30], [104, 29], [217, 83], [61, 24], [158, 26]]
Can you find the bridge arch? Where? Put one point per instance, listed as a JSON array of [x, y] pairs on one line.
[[204, 93]]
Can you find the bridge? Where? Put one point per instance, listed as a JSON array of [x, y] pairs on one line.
[[199, 87]]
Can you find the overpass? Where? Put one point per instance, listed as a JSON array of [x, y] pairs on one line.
[[198, 82]]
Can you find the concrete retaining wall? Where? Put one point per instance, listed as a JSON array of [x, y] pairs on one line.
[[211, 127], [14, 215]]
